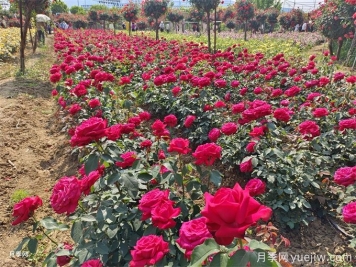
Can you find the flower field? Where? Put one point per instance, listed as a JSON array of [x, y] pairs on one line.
[[9, 43], [160, 126]]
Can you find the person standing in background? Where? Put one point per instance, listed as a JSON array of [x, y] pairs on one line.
[[40, 27]]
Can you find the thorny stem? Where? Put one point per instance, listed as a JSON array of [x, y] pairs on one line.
[[44, 232]]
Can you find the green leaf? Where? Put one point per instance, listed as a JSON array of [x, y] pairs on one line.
[[240, 258], [130, 182], [77, 231], [113, 178], [215, 177], [102, 248], [179, 179], [91, 164], [32, 245], [220, 259], [23, 242], [49, 223], [88, 218], [203, 251], [254, 244], [63, 252], [50, 260]]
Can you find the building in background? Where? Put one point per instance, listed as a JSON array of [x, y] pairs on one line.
[[176, 3]]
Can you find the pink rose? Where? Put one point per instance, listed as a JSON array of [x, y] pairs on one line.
[[150, 200], [244, 211], [349, 213], [214, 134], [345, 176], [114, 132], [258, 131], [148, 251], [179, 145], [238, 108], [88, 181], [146, 143], [170, 120], [347, 124], [92, 263], [65, 195], [320, 112], [88, 131], [251, 147], [309, 129], [191, 234], [189, 121], [255, 187], [246, 166], [163, 214], [207, 154], [158, 128], [128, 159], [282, 114], [24, 209], [229, 128], [93, 103]]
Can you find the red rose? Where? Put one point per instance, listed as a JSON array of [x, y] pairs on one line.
[[244, 211], [150, 200], [235, 83], [214, 134], [163, 214], [221, 83], [24, 209], [114, 132], [145, 116], [93, 103], [191, 234], [92, 263], [220, 104], [63, 260], [238, 108], [189, 121], [294, 90], [89, 130], [65, 195], [161, 154], [347, 124], [55, 77], [128, 159], [146, 144], [258, 131], [127, 128], [148, 251], [282, 114], [136, 120], [179, 145], [349, 213], [320, 112], [158, 128], [246, 166], [309, 129], [207, 154], [255, 187], [170, 120], [176, 90], [88, 181], [125, 80], [345, 176], [74, 109], [229, 128], [251, 147]]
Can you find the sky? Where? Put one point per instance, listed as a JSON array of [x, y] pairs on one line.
[[305, 5]]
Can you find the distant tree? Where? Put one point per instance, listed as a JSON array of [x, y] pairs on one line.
[[77, 10], [245, 12], [59, 6], [272, 17], [174, 17], [98, 8], [130, 13], [230, 24], [155, 9], [207, 6]]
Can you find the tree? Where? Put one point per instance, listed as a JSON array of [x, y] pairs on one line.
[[174, 17], [130, 12], [98, 8], [59, 7], [77, 10], [245, 11], [27, 8], [155, 9], [272, 17], [206, 6]]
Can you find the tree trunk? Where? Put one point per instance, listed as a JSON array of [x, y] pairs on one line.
[[245, 37], [23, 42], [215, 30], [330, 46], [208, 29], [130, 28], [156, 27], [352, 50], [340, 43]]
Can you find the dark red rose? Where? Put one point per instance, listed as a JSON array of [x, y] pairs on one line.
[[63, 260], [150, 200], [114, 132], [88, 181], [320, 112], [207, 154], [214, 134], [162, 214], [170, 120], [345, 176], [179, 145], [128, 159], [309, 129], [282, 114], [255, 187], [251, 147], [88, 131], [229, 128], [189, 121], [246, 166]]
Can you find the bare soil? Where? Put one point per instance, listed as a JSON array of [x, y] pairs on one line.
[[34, 153]]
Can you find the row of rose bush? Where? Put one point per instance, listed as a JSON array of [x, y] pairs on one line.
[[137, 200], [9, 43]]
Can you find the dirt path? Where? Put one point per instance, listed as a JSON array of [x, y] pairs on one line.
[[33, 152]]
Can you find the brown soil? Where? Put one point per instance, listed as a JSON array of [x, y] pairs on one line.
[[34, 154]]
